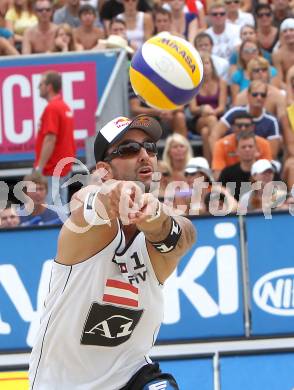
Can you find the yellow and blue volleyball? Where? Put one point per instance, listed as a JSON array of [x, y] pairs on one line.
[[166, 72]]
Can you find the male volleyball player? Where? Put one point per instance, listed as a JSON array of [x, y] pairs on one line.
[[105, 304]]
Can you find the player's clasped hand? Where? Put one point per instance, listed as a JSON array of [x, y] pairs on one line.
[[127, 201]]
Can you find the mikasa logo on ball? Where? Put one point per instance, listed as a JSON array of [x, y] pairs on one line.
[[179, 50]]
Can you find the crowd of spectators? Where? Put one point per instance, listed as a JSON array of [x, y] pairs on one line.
[[244, 112]]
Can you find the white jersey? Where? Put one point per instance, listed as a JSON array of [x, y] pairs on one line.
[[100, 321]]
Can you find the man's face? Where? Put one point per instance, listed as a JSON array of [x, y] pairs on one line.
[[218, 17], [137, 167], [246, 149], [232, 5], [242, 124], [280, 4], [43, 10], [265, 177], [73, 3], [87, 19], [257, 96], [37, 192], [162, 22], [288, 36], [118, 29], [43, 88], [9, 218], [204, 45]]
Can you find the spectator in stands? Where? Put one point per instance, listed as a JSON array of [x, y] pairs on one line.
[[267, 33], [225, 151], [19, 17], [220, 202], [69, 13], [262, 173], [171, 121], [139, 24], [64, 40], [283, 57], [204, 43], [111, 8], [288, 169], [6, 48], [266, 125], [162, 20], [165, 172], [224, 34], [9, 217], [240, 172], [240, 78], [281, 11], [88, 34], [290, 86], [5, 32], [209, 103], [197, 171], [236, 16], [38, 214], [275, 102], [118, 27], [55, 139], [183, 23], [40, 38], [177, 152]]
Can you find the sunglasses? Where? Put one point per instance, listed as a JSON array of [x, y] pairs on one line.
[[250, 50], [243, 124], [43, 9], [261, 94], [132, 149], [218, 14], [267, 14], [165, 174], [232, 1], [257, 70]]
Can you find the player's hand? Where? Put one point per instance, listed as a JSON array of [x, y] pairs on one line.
[[121, 199]]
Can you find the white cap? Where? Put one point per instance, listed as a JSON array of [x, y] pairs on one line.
[[199, 164], [261, 166], [287, 24], [116, 41]]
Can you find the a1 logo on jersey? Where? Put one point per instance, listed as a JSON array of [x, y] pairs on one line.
[[109, 325]]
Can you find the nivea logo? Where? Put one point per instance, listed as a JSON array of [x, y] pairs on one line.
[[274, 292]]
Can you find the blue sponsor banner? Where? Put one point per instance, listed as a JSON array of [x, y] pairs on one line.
[[25, 264], [84, 78], [271, 273], [190, 373], [204, 296], [260, 372]]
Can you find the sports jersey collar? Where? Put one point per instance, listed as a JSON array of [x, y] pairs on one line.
[[258, 118]]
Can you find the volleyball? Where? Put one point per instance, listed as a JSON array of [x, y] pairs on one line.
[[166, 72]]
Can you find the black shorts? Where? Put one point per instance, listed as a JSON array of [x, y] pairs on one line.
[[151, 375]]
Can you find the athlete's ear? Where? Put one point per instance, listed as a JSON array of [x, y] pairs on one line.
[[106, 167]]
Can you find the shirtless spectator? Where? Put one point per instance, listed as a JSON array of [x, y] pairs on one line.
[[6, 48], [224, 34], [225, 151], [283, 57], [266, 125], [88, 34], [9, 217], [69, 13], [40, 38]]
